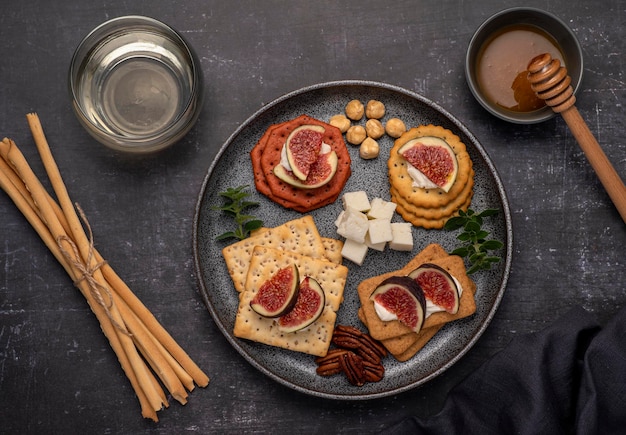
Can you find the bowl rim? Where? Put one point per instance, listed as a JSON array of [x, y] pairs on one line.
[[147, 143], [479, 37]]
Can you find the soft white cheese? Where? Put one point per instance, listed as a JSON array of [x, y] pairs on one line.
[[419, 179], [384, 314], [402, 237], [354, 251], [353, 225], [284, 161], [380, 231], [357, 200], [431, 308], [381, 209]]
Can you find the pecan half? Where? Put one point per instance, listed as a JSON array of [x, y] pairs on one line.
[[350, 337], [332, 354], [346, 341], [373, 372], [368, 354], [375, 345], [329, 368], [357, 355], [352, 366]]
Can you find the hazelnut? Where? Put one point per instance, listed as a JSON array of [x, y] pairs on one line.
[[374, 128], [341, 122], [355, 110], [369, 149], [375, 109], [395, 127], [356, 134]]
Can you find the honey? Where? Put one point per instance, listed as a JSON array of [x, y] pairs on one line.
[[502, 61]]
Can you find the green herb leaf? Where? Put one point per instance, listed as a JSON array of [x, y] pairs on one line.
[[237, 202], [454, 223], [226, 235], [475, 246], [492, 245], [253, 225], [488, 212]]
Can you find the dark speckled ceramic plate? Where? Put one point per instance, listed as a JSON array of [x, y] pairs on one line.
[[232, 168]]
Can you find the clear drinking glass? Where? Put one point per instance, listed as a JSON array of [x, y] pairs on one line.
[[136, 85]]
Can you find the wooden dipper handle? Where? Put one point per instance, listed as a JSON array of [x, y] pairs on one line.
[[550, 82]]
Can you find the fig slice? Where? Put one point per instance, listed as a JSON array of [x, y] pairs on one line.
[[438, 285], [277, 295], [308, 307], [403, 298], [303, 147], [320, 172], [434, 158]]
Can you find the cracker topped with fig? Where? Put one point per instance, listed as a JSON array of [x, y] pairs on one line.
[[400, 319], [302, 164], [290, 283], [431, 175]]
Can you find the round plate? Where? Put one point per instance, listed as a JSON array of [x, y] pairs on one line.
[[232, 168]]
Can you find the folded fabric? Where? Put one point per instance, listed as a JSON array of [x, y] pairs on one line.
[[567, 378]]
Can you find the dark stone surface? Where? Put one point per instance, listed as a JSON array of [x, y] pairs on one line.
[[58, 373]]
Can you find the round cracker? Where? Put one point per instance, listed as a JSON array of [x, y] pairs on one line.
[[402, 181], [436, 212], [305, 200], [420, 221], [260, 181]]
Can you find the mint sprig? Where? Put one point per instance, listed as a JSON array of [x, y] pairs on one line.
[[235, 206], [475, 246]]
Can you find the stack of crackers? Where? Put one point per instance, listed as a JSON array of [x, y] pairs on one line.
[[398, 338], [266, 154], [430, 208], [254, 260]]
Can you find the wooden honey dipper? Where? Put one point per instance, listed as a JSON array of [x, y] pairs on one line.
[[550, 82]]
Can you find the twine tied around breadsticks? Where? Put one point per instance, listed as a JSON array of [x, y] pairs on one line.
[[87, 269]]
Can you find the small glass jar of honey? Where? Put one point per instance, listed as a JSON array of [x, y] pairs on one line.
[[498, 56]]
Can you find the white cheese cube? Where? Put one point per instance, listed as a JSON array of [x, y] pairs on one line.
[[381, 209], [354, 251], [380, 231], [357, 200], [353, 225], [339, 219], [402, 236], [377, 246]]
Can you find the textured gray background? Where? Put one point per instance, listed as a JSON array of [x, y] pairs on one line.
[[57, 371]]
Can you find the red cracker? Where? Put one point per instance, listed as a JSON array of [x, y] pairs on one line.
[[303, 200]]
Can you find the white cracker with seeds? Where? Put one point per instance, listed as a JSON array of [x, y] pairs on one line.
[[332, 247], [315, 339], [298, 235]]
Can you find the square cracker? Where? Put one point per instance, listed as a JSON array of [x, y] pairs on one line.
[[398, 346], [265, 262], [315, 339], [403, 347], [417, 342], [332, 247], [433, 253], [299, 235]]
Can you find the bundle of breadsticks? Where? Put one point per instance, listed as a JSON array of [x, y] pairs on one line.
[[144, 348]]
